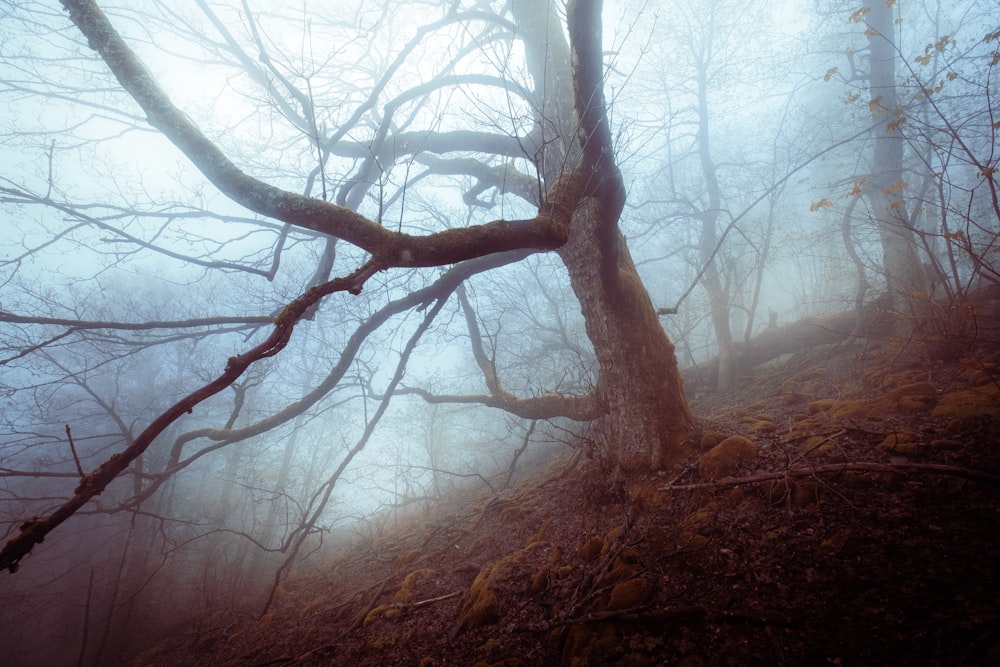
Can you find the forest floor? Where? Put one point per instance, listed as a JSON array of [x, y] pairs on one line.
[[855, 520]]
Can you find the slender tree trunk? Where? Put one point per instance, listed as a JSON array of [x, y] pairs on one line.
[[718, 295], [904, 273]]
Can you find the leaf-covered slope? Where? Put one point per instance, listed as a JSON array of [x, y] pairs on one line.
[[813, 559]]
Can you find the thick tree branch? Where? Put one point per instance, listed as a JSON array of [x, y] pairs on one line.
[[547, 406]]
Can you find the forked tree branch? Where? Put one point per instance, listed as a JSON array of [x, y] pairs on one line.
[[34, 530]]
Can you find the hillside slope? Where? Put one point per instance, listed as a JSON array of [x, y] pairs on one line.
[[853, 520]]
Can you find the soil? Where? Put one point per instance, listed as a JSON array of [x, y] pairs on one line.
[[854, 522]]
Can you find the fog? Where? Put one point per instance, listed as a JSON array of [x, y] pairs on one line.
[[745, 136]]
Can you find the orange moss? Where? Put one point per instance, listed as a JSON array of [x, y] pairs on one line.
[[820, 405], [407, 589], [852, 409], [480, 606], [900, 442], [710, 439], [316, 602], [591, 549], [762, 426], [982, 401], [589, 644], [727, 457], [540, 581], [789, 387], [818, 446], [628, 594], [540, 533], [914, 397], [837, 540], [811, 373]]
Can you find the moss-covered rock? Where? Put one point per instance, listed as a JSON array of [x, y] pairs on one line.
[[630, 593], [727, 457], [900, 442], [979, 402], [407, 589], [710, 439], [762, 426]]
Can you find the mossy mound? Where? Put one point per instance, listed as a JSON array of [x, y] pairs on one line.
[[727, 457], [977, 403]]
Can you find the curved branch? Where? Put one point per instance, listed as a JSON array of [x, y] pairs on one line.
[[34, 530], [439, 289], [547, 406]]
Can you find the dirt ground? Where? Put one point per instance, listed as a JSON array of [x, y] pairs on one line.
[[853, 520]]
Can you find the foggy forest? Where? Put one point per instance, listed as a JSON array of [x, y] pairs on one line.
[[499, 332]]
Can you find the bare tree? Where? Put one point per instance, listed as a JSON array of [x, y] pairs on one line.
[[578, 199]]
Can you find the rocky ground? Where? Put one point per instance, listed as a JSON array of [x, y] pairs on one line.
[[845, 511]]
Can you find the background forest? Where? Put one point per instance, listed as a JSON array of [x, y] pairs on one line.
[[774, 161]]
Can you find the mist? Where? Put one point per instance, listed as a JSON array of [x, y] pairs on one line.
[[766, 178]]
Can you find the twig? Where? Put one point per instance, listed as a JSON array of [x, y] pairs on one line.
[[422, 603], [833, 468], [689, 614], [371, 605], [72, 448]]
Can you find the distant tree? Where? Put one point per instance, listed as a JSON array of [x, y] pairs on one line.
[[929, 108], [886, 187]]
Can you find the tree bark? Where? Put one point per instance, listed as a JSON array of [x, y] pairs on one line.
[[648, 420], [718, 295], [904, 273], [640, 388]]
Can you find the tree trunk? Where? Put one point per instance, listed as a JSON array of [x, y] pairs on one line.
[[647, 416], [647, 419], [904, 273], [718, 295]]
